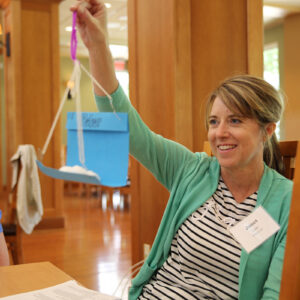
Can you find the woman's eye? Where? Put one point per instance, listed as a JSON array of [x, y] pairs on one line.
[[212, 122], [236, 121]]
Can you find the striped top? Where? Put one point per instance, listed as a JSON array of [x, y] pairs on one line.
[[204, 258]]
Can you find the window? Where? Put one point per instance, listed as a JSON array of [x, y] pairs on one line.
[[120, 55], [271, 65], [271, 71]]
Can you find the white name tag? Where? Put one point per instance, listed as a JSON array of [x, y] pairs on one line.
[[254, 229]]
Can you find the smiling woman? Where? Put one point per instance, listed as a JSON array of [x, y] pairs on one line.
[[194, 255]]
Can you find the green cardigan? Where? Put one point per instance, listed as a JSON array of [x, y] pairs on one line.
[[191, 179]]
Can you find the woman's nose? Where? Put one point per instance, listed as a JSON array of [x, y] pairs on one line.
[[222, 130]]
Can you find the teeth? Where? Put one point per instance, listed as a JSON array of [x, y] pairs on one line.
[[226, 147]]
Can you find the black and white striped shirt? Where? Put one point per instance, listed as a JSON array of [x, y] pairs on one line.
[[204, 258]]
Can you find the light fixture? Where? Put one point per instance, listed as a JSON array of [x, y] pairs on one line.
[[70, 86], [275, 12], [123, 18], [68, 28], [113, 25], [108, 5]]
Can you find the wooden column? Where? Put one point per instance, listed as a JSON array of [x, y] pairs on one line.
[[291, 269], [178, 52], [227, 39], [291, 76], [32, 90]]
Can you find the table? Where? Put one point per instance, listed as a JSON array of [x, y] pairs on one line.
[[28, 277]]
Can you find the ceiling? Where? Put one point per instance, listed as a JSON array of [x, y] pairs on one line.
[[274, 12]]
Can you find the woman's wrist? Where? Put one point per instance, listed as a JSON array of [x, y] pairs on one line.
[[102, 68], [98, 48]]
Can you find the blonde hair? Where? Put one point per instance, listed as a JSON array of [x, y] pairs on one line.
[[253, 97]]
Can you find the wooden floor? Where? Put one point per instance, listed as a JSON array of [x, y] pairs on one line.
[[94, 247]]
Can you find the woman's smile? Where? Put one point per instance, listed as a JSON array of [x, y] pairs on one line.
[[226, 147]]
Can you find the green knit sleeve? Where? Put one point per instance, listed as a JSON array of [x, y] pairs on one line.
[[165, 159]]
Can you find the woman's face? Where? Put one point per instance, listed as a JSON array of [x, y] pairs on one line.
[[236, 141]]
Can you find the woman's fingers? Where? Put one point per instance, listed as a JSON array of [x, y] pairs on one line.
[[88, 8], [93, 6], [91, 21]]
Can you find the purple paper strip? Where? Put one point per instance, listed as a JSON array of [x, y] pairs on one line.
[[73, 37]]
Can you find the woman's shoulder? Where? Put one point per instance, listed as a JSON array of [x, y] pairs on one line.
[[272, 174], [277, 187], [201, 163], [280, 179], [274, 194]]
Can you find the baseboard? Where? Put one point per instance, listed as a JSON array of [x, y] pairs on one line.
[[51, 223]]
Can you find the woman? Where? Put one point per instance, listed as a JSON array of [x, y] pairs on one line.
[[4, 258], [194, 255]]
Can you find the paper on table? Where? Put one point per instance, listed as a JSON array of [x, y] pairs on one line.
[[69, 290]]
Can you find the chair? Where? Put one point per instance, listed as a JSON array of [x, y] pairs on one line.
[[125, 193], [12, 231], [288, 151], [13, 238]]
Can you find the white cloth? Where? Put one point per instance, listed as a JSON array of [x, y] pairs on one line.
[[29, 199]]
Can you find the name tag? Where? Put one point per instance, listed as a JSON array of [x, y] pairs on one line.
[[254, 229]]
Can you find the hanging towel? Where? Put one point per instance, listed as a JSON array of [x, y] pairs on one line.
[[29, 199]]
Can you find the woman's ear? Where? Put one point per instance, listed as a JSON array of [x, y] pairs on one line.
[[270, 129]]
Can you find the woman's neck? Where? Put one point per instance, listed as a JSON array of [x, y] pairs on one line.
[[242, 183]]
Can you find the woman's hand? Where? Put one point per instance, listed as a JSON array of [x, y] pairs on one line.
[[91, 22], [92, 25]]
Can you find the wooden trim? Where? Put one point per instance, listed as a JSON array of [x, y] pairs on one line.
[[289, 148], [255, 37], [12, 82], [55, 78], [207, 148], [51, 223], [291, 267], [183, 123], [136, 248], [291, 75], [4, 3]]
